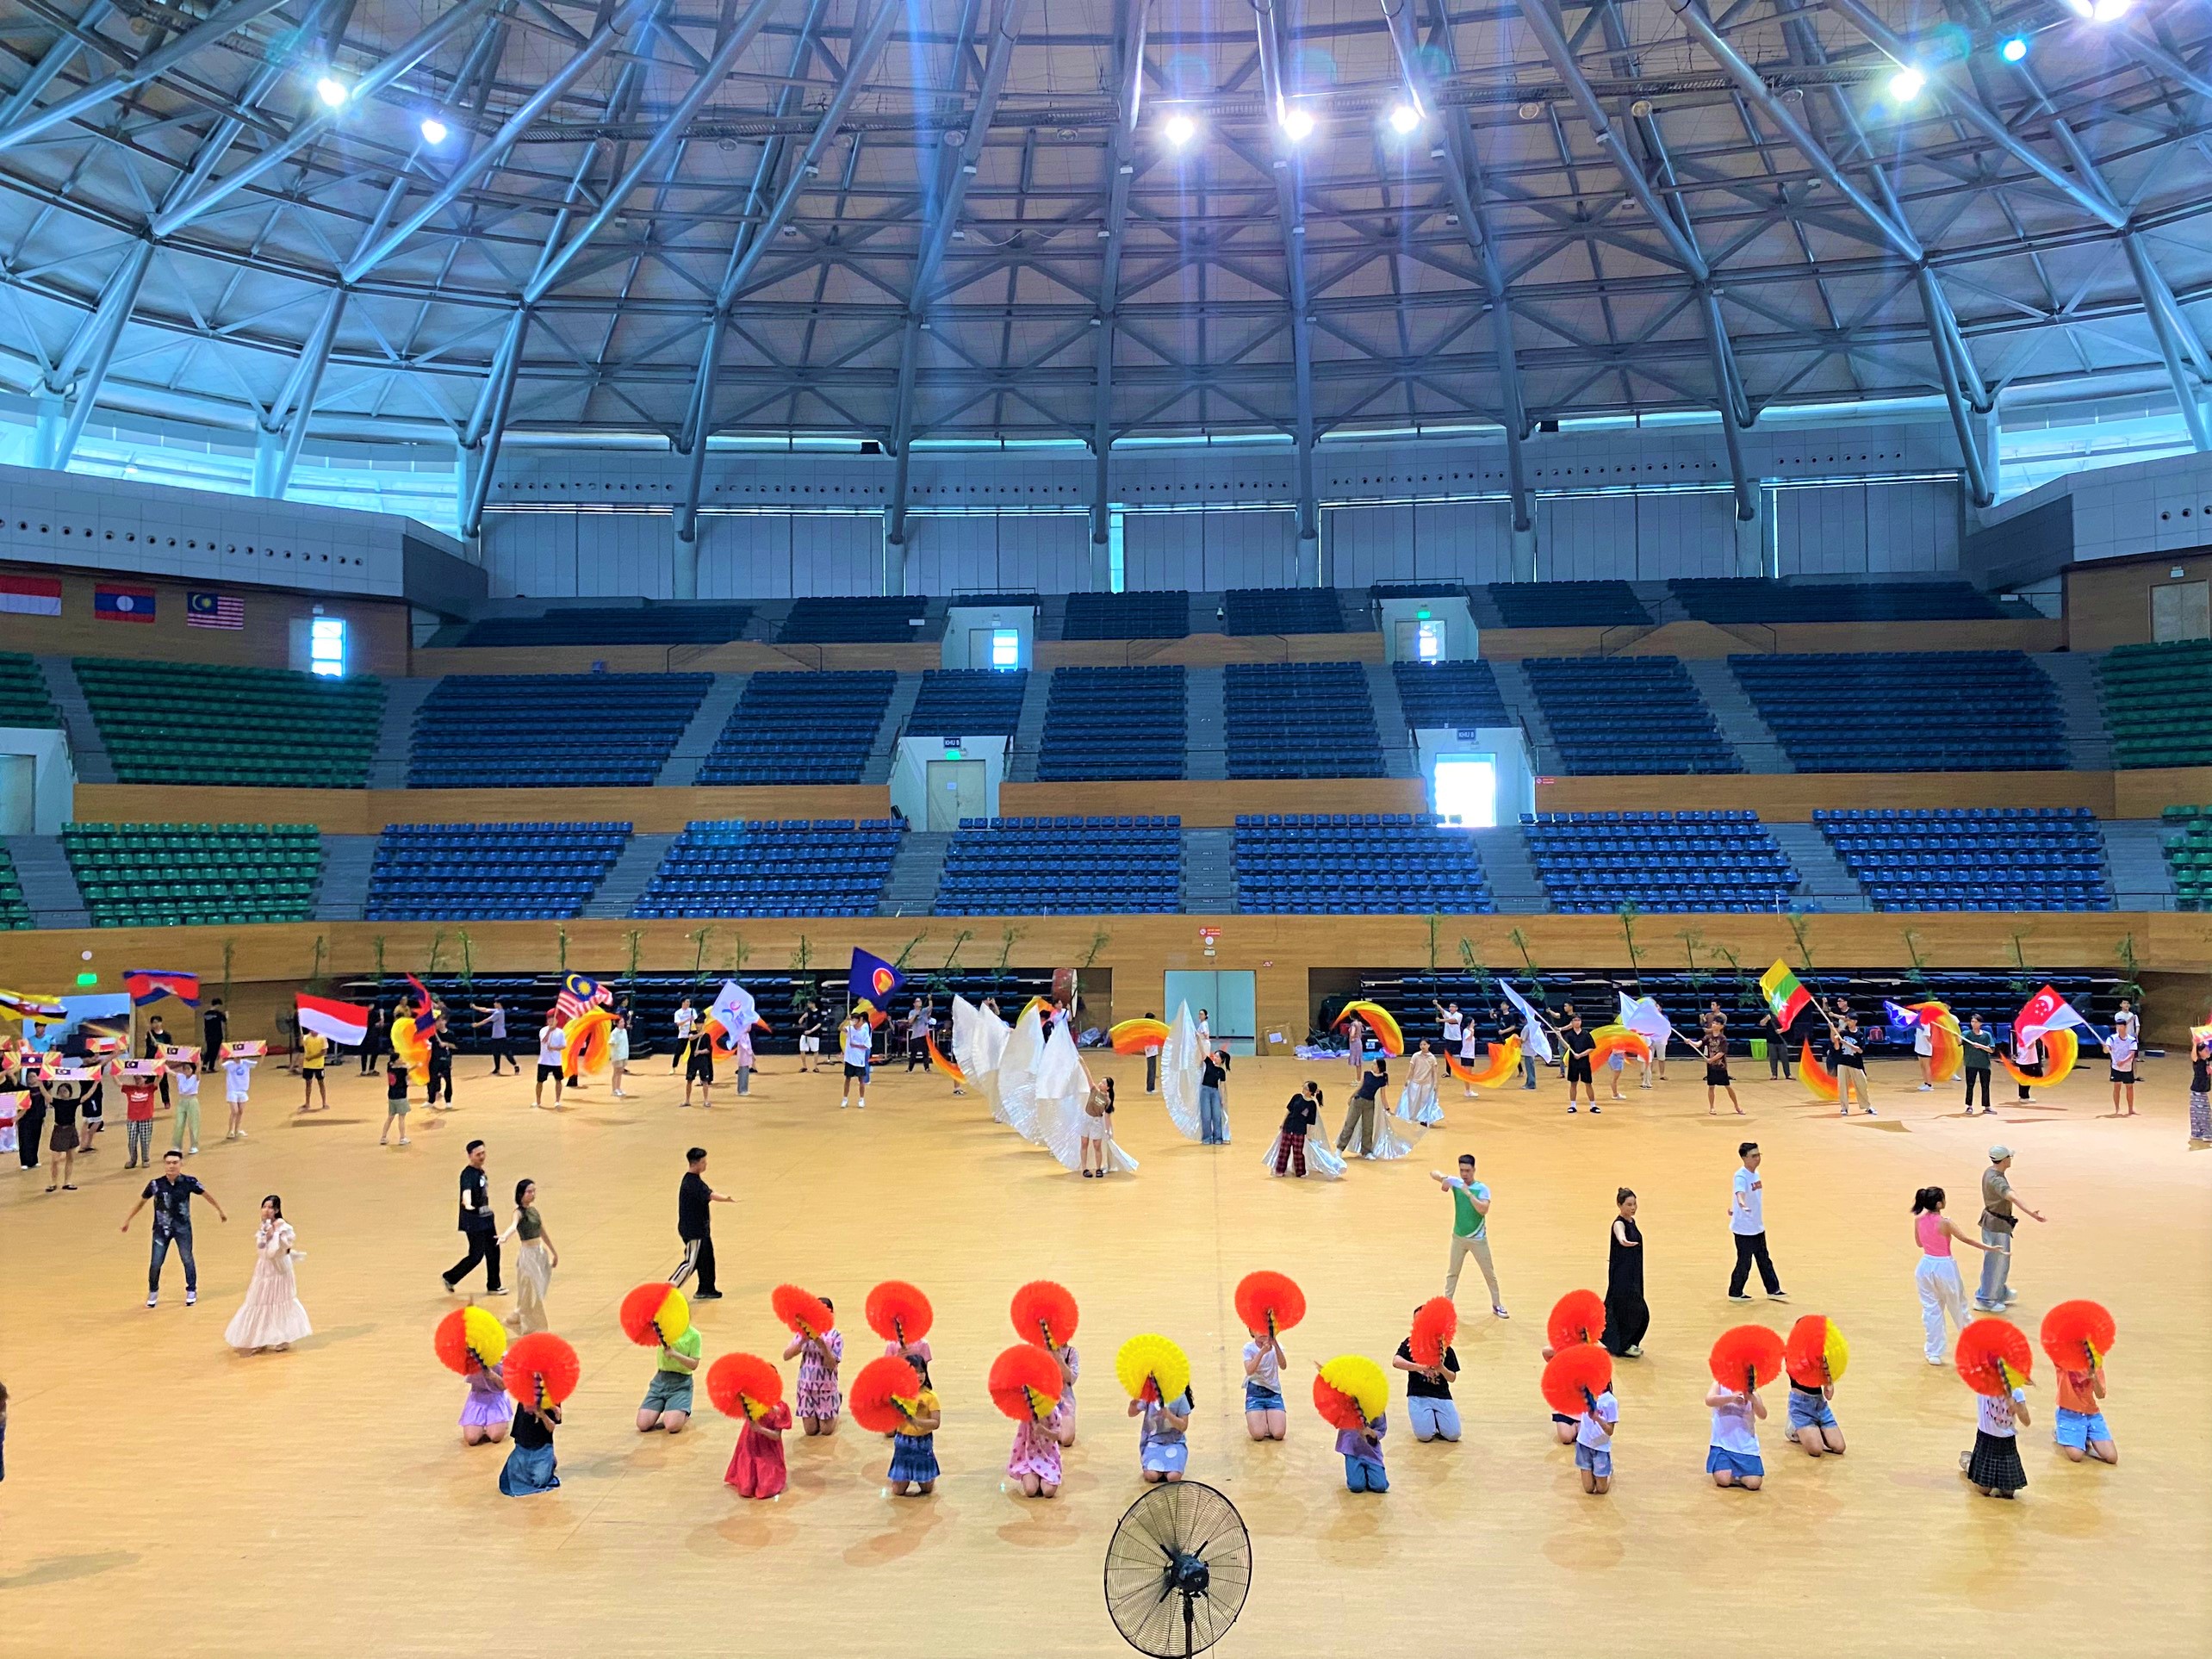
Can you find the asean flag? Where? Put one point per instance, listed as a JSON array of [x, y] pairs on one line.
[[2044, 1011], [872, 981]]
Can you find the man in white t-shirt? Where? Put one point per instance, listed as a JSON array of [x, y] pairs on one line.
[[551, 1040], [687, 1017], [1924, 1049], [856, 1038], [1747, 1221]]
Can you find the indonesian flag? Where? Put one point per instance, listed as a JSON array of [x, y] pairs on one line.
[[342, 1022], [2045, 1011]]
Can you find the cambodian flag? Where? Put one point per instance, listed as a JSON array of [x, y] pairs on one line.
[[151, 984]]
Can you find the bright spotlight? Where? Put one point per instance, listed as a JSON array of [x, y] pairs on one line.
[[1297, 124], [433, 130], [2014, 49], [2102, 11], [331, 90], [1906, 84], [1180, 131], [1403, 119]]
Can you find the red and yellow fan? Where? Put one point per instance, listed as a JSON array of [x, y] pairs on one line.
[[1134, 1036], [1575, 1377], [411, 1043], [586, 1051], [1817, 1077], [1045, 1313], [469, 1340], [654, 1315], [1816, 1353], [1946, 1053], [1578, 1316], [1502, 1062], [2077, 1335], [1026, 1383], [1436, 1322], [2061, 1048], [1351, 1391], [1378, 1019], [542, 1369], [899, 1312], [884, 1395], [1750, 1356], [942, 1063], [1610, 1039], [1269, 1303], [1152, 1367], [801, 1312], [744, 1385], [1994, 1356]]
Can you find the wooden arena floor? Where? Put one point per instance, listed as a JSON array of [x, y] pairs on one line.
[[163, 1491]]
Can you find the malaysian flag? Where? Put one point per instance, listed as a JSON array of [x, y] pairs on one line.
[[214, 610], [579, 992]]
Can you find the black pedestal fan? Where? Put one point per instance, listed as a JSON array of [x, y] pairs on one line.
[[1176, 1570]]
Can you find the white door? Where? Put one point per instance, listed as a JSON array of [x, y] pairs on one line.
[[956, 791]]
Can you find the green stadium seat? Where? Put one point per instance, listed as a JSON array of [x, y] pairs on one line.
[[2156, 699], [194, 874], [178, 723]]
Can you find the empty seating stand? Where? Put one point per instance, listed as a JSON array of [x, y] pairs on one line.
[[801, 728], [1593, 863], [1147, 615], [540, 731], [168, 875], [2009, 858], [1358, 864], [1459, 696], [968, 703], [2188, 855], [490, 871], [189, 722], [1752, 599], [15, 913], [24, 698], [648, 625], [1569, 605], [798, 867], [871, 621], [2157, 703], [1114, 723], [1628, 714], [1301, 720], [1062, 867], [1281, 610], [1908, 710]]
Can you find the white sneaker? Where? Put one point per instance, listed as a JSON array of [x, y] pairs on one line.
[[154, 1301], [1926, 1087]]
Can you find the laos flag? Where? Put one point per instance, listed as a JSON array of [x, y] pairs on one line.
[[872, 982]]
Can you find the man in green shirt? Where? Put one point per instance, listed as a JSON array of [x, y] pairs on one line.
[[1470, 1217], [667, 1402]]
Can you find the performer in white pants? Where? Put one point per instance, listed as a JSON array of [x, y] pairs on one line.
[[1937, 1276]]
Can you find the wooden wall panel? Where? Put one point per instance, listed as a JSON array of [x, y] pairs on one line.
[[1210, 650], [736, 657], [2108, 601], [2146, 794], [1791, 797], [1201, 803], [1702, 639]]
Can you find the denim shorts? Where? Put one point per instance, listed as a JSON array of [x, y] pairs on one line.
[[1259, 1397], [2077, 1429], [1598, 1460], [1741, 1464], [668, 1391], [1809, 1410]]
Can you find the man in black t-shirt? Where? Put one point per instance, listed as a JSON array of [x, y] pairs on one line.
[[215, 1027], [695, 1225], [477, 1225], [171, 1193], [1577, 1044]]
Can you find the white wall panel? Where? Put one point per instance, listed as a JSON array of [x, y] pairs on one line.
[[1371, 544], [1464, 541], [1687, 535], [998, 552], [1162, 549]]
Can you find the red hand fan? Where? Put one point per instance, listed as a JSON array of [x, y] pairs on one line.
[[744, 1385], [1994, 1356], [1026, 1383], [1750, 1356], [1578, 1316], [1339, 1408], [2078, 1334], [1269, 1303], [802, 1313], [640, 1313], [1045, 1312], [1804, 1356], [1576, 1376], [542, 1369], [1436, 1322], [884, 1393], [455, 1351], [898, 1313]]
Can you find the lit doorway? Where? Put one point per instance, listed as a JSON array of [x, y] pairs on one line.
[[1465, 793]]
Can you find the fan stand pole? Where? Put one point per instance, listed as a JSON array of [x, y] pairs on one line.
[[1189, 1616]]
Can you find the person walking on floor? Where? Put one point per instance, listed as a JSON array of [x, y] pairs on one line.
[[214, 1030], [1747, 1223], [1470, 1229], [687, 1017], [372, 1040], [493, 1025], [1359, 1111], [1937, 1275], [551, 1040], [1781, 1054], [695, 1225], [156, 1038], [171, 1193], [535, 1260], [2001, 1210], [1628, 1316], [1213, 1117], [1978, 1047], [476, 1225]]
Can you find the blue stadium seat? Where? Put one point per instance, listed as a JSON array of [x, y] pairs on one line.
[[1114, 723], [1569, 605], [542, 731], [1062, 867], [1724, 600], [1628, 714], [1357, 864], [490, 871], [1459, 695], [1150, 614], [1593, 863], [800, 867], [801, 728], [1301, 720], [968, 703], [1281, 610], [873, 620], [1908, 710], [1983, 858]]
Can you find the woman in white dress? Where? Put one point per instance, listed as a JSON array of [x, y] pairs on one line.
[[270, 1318], [1418, 1104], [534, 1263]]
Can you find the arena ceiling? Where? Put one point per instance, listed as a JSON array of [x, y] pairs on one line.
[[974, 219]]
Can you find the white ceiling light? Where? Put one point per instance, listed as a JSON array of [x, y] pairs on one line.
[[331, 90], [1179, 130], [1403, 119], [433, 130], [1297, 124], [1906, 84]]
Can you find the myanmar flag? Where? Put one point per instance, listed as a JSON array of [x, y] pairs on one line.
[[1785, 996]]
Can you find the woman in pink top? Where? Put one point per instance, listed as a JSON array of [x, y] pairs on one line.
[[1938, 1274]]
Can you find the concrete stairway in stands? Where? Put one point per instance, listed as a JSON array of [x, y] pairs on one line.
[[1520, 699], [1823, 881], [1030, 730], [88, 753], [2089, 746], [1511, 875], [698, 740], [1205, 723], [343, 893], [1209, 872], [878, 769], [912, 887], [1398, 760], [49, 885], [2134, 849], [388, 768], [625, 884], [1738, 720]]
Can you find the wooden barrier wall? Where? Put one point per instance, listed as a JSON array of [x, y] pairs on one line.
[[736, 656], [1791, 797], [1705, 640], [2108, 601]]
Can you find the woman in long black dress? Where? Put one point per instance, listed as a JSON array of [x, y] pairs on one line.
[[1627, 1315]]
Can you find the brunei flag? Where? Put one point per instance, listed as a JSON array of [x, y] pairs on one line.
[[1785, 996]]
